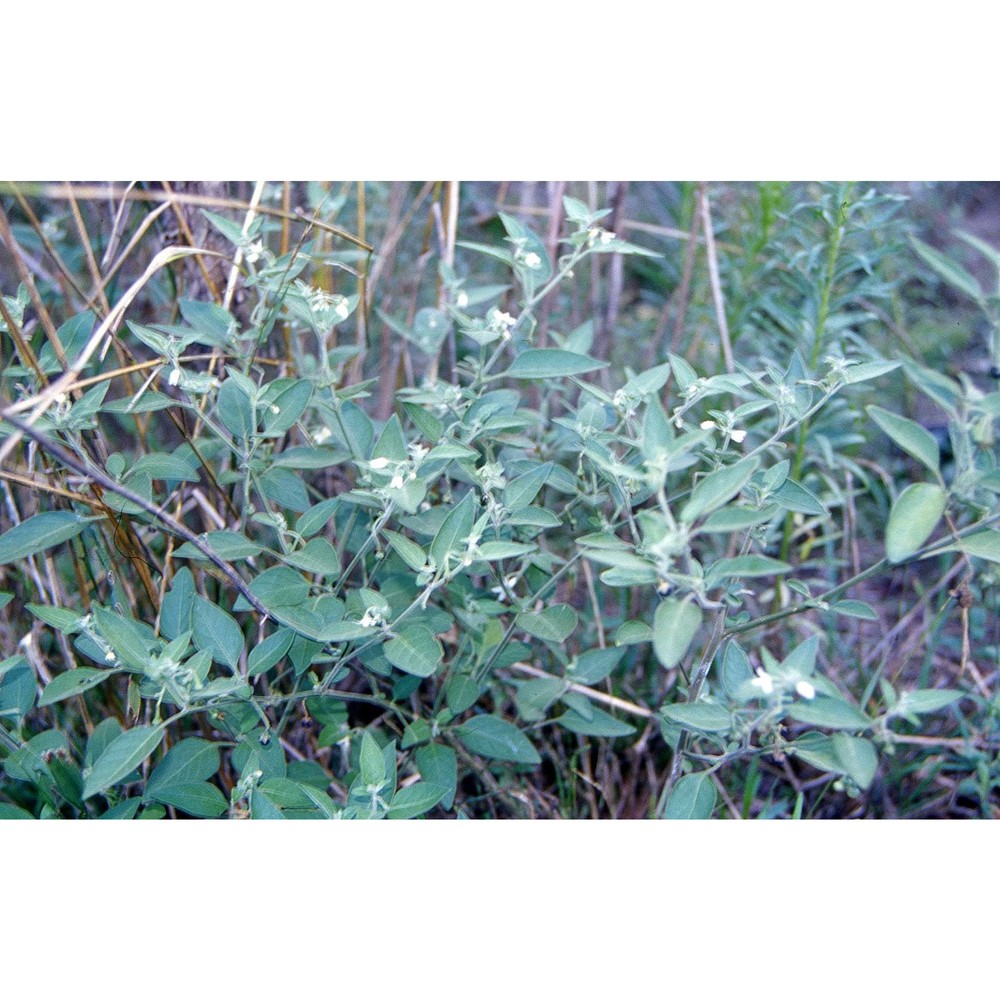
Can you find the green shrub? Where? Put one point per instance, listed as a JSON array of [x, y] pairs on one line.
[[232, 590]]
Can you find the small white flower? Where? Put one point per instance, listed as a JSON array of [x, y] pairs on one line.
[[275, 409], [764, 681], [532, 260], [607, 236], [379, 463], [461, 300], [254, 251], [805, 689], [707, 425], [175, 376], [323, 434], [369, 618], [110, 656], [738, 436], [319, 301], [397, 482], [501, 320], [342, 309]]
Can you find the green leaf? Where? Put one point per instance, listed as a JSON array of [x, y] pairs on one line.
[[535, 517], [126, 638], [291, 402], [210, 321], [455, 529], [744, 566], [72, 682], [954, 274], [648, 382], [674, 627], [179, 780], [800, 663], [632, 632], [411, 553], [718, 488], [8, 811], [869, 370], [494, 551], [461, 693], [122, 756], [856, 756], [38, 533], [159, 465], [981, 544], [317, 556], [438, 765], [61, 619], [542, 363], [346, 632], [228, 545], [280, 587], [913, 517], [925, 700], [416, 799], [910, 436], [269, 652], [594, 665], [391, 443], [831, 713], [693, 797], [816, 749], [372, 761], [496, 739], [175, 615], [17, 688], [316, 517], [736, 669], [854, 609], [430, 327], [599, 723], [236, 410], [554, 624], [520, 492], [285, 488], [730, 519], [196, 798], [414, 651], [792, 495], [534, 697], [217, 632], [699, 715]]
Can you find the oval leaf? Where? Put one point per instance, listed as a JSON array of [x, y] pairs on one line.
[[674, 627], [913, 517], [910, 436], [414, 651], [718, 488], [693, 797], [537, 363], [495, 738], [72, 682], [122, 755], [39, 532]]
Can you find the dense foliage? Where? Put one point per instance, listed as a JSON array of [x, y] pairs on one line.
[[441, 524]]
